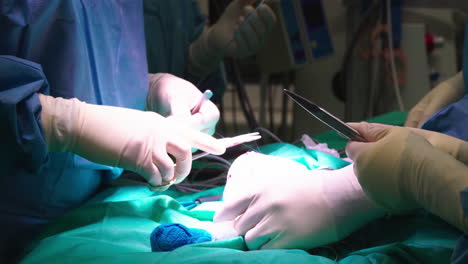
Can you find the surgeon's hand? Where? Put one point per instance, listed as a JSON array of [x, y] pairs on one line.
[[231, 36], [176, 98], [130, 139], [442, 95], [406, 168], [277, 203]]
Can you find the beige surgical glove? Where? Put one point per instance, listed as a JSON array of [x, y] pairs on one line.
[[130, 139], [442, 95], [407, 168], [231, 37]]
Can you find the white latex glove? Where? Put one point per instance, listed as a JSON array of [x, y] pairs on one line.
[[277, 203], [175, 97], [445, 93], [231, 36], [408, 168], [130, 139]]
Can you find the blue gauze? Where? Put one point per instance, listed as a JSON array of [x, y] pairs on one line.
[[167, 237]]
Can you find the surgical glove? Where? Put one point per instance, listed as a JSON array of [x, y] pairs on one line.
[[175, 97], [407, 168], [130, 139], [239, 32], [277, 203], [445, 93]]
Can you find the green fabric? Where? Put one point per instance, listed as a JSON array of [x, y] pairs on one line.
[[115, 227], [312, 159]]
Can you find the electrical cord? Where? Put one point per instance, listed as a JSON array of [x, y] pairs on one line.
[[269, 133], [342, 78], [396, 85]]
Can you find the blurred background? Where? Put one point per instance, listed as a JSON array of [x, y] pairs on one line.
[[337, 53]]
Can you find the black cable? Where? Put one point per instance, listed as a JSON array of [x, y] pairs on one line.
[[234, 113], [342, 77], [242, 95], [285, 102], [271, 110], [216, 9]]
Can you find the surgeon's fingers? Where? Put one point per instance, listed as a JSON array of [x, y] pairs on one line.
[[179, 109], [414, 118], [250, 31], [231, 210], [206, 118], [197, 139], [250, 218], [354, 148], [371, 131], [183, 157], [152, 175], [165, 166], [446, 143], [259, 25], [259, 237], [267, 16], [206, 143]]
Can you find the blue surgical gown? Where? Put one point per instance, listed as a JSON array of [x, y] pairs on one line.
[[170, 28], [86, 49]]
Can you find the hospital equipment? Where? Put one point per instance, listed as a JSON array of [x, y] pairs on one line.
[[324, 116]]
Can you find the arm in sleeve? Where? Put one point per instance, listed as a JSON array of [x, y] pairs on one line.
[[215, 81], [23, 144]]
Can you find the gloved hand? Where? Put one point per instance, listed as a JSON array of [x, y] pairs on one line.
[[175, 97], [442, 95], [408, 168], [277, 203], [231, 36], [130, 139]]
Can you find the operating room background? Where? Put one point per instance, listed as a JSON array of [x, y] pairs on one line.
[[265, 75]]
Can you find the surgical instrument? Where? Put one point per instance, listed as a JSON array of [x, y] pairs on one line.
[[328, 119]]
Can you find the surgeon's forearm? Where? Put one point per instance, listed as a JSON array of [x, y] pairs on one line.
[[58, 119], [345, 195]]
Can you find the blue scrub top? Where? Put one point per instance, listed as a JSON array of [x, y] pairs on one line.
[[88, 49]]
